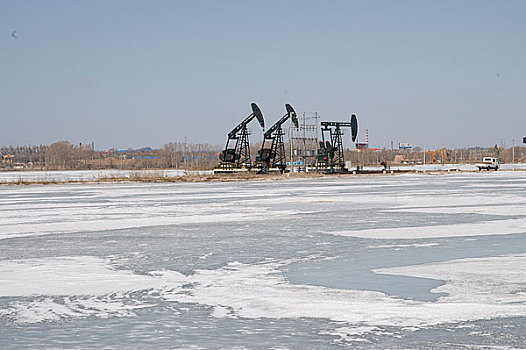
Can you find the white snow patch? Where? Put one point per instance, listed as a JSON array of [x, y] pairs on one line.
[[496, 280], [48, 309], [352, 333], [445, 202], [504, 210], [400, 246], [61, 288], [80, 275], [495, 227]]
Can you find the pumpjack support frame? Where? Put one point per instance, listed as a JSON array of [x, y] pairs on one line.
[[274, 157], [238, 157], [331, 150]]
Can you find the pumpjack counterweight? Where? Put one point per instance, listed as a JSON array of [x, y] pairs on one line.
[[238, 157], [274, 157], [330, 152]]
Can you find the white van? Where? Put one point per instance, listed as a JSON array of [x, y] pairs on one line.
[[489, 163]]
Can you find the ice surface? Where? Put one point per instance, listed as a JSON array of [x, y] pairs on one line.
[[257, 291], [205, 263], [88, 209], [476, 289], [93, 222]]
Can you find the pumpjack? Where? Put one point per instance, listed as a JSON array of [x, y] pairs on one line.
[[274, 157], [330, 152], [238, 157]]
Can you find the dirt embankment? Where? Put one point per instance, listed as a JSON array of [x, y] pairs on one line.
[[157, 178]]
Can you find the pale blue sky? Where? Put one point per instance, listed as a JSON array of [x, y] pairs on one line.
[[144, 73]]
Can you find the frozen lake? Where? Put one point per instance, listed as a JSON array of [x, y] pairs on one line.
[[399, 262]]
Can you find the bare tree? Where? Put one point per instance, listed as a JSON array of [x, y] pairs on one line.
[[60, 155]]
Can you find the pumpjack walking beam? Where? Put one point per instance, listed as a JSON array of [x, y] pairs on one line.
[[334, 146], [239, 156], [274, 157]]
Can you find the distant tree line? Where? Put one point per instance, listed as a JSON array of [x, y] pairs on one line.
[[63, 155]]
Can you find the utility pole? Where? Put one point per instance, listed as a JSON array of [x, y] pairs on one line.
[[185, 153], [317, 126], [513, 151]]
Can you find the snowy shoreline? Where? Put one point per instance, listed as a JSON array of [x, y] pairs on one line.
[[112, 175]]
